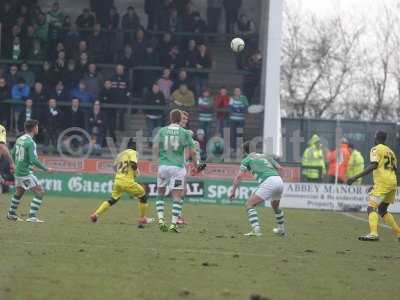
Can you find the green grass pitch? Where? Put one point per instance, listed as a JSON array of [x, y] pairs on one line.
[[69, 258]]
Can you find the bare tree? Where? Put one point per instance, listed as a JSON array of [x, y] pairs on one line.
[[376, 68], [317, 57]]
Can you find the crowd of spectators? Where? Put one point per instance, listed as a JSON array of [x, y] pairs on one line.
[[62, 75]]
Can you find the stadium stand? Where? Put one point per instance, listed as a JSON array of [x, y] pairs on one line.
[[63, 56]]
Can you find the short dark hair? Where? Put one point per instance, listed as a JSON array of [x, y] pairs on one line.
[[131, 144], [175, 116], [30, 124], [246, 148], [381, 136]]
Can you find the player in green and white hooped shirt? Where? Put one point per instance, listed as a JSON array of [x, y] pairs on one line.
[[270, 188], [25, 157], [170, 144]]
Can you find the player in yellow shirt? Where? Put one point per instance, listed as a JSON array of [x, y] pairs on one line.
[[4, 149], [126, 166], [383, 165]]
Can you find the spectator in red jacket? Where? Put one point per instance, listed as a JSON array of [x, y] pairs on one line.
[[222, 102]]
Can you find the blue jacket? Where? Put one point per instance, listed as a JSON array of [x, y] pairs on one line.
[[83, 96], [18, 93]]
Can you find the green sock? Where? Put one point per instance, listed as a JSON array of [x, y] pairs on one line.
[[15, 201], [280, 218], [160, 205], [253, 219], [34, 208]]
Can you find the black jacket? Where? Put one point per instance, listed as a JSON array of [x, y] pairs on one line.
[[74, 118], [155, 99], [22, 118], [52, 122]]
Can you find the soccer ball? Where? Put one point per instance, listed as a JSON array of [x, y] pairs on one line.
[[237, 45]]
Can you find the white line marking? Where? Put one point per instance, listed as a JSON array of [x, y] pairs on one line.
[[349, 215]]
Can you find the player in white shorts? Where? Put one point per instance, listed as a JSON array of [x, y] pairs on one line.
[[270, 188], [170, 143]]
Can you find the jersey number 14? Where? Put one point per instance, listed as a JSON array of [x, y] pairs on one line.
[[171, 141]]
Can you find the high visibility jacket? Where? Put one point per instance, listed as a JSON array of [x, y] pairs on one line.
[[313, 162], [356, 165]]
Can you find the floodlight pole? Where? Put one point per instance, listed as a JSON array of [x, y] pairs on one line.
[[271, 31]]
